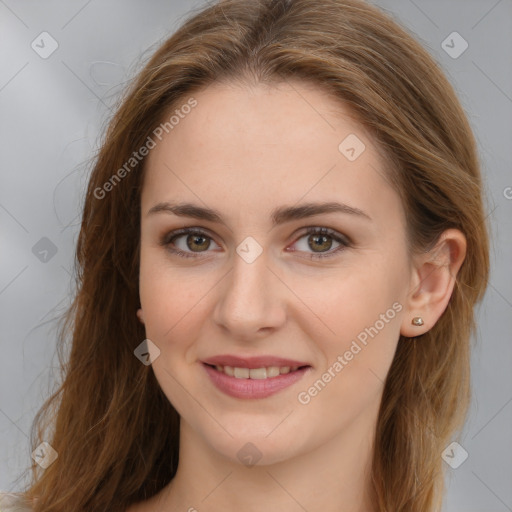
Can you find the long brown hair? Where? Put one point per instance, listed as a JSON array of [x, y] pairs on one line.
[[114, 430]]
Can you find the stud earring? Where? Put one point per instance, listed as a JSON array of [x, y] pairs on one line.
[[417, 320]]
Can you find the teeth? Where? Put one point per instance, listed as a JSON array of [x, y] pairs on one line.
[[255, 373], [241, 373]]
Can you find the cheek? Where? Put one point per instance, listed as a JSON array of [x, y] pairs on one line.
[[360, 311], [172, 305], [356, 359], [171, 299], [343, 304]]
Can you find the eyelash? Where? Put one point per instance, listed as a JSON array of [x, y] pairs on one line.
[[168, 239]]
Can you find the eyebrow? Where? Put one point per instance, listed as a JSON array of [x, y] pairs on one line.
[[278, 216]]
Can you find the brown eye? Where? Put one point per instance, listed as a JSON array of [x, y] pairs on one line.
[[195, 242], [319, 240]]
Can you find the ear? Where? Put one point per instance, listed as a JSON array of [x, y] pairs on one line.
[[432, 282], [140, 315]]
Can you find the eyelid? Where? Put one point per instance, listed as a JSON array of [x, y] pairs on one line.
[[330, 232], [167, 238], [344, 240]]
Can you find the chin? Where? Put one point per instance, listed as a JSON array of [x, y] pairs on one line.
[[257, 446]]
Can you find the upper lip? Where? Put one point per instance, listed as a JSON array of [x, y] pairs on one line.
[[252, 362]]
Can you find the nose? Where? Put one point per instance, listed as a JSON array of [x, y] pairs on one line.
[[250, 300]]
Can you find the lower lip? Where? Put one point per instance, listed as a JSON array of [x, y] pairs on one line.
[[253, 388]]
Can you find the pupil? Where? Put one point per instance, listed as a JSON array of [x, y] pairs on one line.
[[198, 237], [317, 242]]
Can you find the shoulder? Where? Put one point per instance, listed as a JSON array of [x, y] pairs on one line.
[[13, 502]]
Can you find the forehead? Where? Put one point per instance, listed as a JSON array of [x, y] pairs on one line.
[[246, 147]]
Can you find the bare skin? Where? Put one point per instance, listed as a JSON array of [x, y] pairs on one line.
[[245, 151]]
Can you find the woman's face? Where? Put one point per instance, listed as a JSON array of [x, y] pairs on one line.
[[253, 282]]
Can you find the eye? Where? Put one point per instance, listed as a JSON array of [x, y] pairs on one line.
[[197, 241], [194, 239], [318, 238]]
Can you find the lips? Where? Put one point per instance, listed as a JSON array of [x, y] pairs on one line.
[[253, 377]]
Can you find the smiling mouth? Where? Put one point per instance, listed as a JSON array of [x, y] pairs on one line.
[[256, 373]]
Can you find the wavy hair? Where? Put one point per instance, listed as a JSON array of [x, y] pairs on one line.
[[115, 432]]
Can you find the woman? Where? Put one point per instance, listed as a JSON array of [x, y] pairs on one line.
[[276, 370]]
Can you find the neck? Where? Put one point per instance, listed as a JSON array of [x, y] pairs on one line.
[[334, 476]]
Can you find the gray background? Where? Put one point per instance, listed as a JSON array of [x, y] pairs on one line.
[[53, 111]]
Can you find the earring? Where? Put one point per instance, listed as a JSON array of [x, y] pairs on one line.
[[417, 320]]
